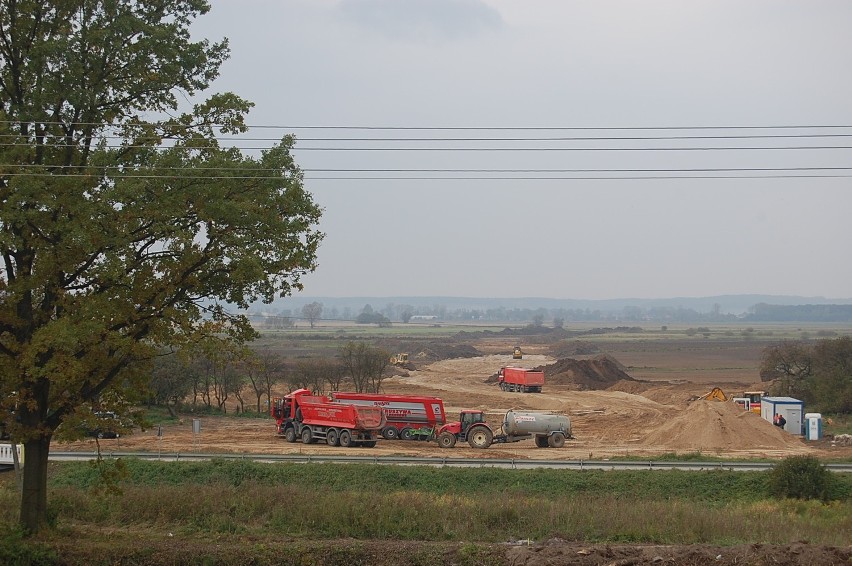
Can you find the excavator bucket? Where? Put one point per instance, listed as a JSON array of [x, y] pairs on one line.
[[715, 394]]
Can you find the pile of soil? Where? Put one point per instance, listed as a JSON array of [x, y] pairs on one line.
[[436, 351], [600, 372], [717, 425], [571, 348]]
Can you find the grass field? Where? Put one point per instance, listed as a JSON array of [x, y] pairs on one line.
[[366, 502]]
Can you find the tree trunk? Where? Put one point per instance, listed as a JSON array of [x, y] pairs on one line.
[[34, 494]]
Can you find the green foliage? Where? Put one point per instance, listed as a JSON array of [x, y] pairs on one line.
[[118, 228], [16, 551], [819, 373], [802, 477]]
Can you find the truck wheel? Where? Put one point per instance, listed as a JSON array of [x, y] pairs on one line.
[[406, 434], [369, 444], [480, 437], [556, 440], [307, 435], [345, 438], [290, 434], [541, 441], [502, 387], [446, 440], [390, 433], [331, 437]]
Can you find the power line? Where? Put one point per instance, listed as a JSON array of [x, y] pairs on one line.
[[448, 128]]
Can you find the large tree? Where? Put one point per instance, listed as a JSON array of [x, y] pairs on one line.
[[124, 222]]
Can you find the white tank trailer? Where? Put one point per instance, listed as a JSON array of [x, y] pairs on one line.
[[549, 429]]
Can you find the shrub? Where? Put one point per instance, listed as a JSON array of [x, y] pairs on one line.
[[801, 477]]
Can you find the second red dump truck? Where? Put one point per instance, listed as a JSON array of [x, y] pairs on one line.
[[311, 418], [520, 379], [409, 417]]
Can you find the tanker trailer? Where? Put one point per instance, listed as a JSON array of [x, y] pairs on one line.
[[549, 429]]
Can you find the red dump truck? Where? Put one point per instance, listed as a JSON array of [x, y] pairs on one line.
[[409, 417], [520, 379], [548, 429], [311, 418]]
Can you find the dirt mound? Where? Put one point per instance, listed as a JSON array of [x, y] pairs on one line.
[[570, 348], [597, 373], [718, 425], [436, 351]]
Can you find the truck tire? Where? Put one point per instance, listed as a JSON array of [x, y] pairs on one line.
[[307, 435], [556, 440], [331, 437], [290, 434], [369, 444], [446, 440], [390, 433], [345, 438], [480, 437], [406, 434], [541, 441]]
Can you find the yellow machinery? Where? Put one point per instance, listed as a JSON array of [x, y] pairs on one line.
[[399, 359], [715, 394], [517, 354], [754, 399]]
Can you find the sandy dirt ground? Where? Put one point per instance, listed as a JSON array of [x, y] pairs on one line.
[[649, 418]]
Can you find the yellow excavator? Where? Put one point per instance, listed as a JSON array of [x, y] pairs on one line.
[[517, 354], [715, 394]]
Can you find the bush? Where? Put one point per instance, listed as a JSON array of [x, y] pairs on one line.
[[801, 477]]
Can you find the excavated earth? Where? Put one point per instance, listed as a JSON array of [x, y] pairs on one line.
[[613, 415]]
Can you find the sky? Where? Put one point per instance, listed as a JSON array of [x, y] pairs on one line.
[[535, 69]]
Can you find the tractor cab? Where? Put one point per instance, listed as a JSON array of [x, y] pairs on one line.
[[469, 418]]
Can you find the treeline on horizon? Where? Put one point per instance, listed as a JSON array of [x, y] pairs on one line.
[[403, 313]]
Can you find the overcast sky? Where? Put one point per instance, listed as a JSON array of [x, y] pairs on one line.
[[559, 64]]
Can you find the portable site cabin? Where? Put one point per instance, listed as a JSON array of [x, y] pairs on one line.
[[791, 409]]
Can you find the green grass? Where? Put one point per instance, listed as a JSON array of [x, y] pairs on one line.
[[368, 502]]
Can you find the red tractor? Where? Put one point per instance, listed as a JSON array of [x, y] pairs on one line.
[[470, 427]]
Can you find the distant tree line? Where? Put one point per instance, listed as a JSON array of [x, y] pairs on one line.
[[210, 376], [800, 313]]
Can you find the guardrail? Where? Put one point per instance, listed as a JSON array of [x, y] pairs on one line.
[[7, 457], [514, 464]]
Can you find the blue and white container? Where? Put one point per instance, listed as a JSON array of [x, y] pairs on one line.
[[791, 409], [813, 426]]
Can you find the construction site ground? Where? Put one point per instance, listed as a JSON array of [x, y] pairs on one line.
[[651, 414]]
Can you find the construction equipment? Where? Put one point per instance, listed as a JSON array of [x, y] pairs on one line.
[[715, 394], [754, 400], [409, 417], [399, 359], [524, 380], [517, 354], [548, 429], [302, 415]]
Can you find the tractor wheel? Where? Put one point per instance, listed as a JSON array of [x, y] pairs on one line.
[[390, 433], [307, 435], [290, 434], [480, 437], [540, 441], [331, 437], [556, 440], [446, 440], [406, 434], [345, 438]]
